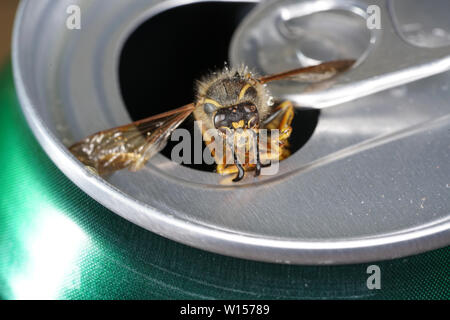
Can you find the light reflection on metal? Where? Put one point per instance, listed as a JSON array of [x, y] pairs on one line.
[[52, 248]]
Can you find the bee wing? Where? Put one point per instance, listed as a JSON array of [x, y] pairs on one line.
[[129, 146], [312, 74]]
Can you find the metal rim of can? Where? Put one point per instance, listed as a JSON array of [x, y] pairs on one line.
[[226, 242]]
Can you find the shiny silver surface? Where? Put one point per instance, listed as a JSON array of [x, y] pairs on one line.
[[372, 183], [386, 57]]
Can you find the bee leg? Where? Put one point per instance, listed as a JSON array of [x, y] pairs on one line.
[[266, 165], [285, 133], [223, 169], [258, 160], [288, 115], [241, 171], [240, 174], [259, 165], [283, 123], [258, 169]]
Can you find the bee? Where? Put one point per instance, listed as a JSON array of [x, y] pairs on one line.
[[233, 102]]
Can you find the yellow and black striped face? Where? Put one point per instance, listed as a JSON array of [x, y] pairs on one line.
[[240, 116], [232, 105]]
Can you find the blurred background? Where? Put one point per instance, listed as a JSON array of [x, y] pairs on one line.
[[7, 12]]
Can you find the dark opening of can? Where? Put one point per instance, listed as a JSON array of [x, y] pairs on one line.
[[162, 58]]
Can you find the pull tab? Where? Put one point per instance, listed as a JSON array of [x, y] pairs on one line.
[[282, 35]]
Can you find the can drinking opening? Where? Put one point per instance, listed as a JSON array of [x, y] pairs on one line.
[[163, 57]]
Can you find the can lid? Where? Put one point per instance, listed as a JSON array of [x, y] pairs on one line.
[[371, 183]]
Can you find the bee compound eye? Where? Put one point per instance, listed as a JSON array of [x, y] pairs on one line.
[[209, 108], [219, 120]]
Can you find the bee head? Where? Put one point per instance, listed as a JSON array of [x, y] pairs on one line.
[[233, 101], [243, 115]]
